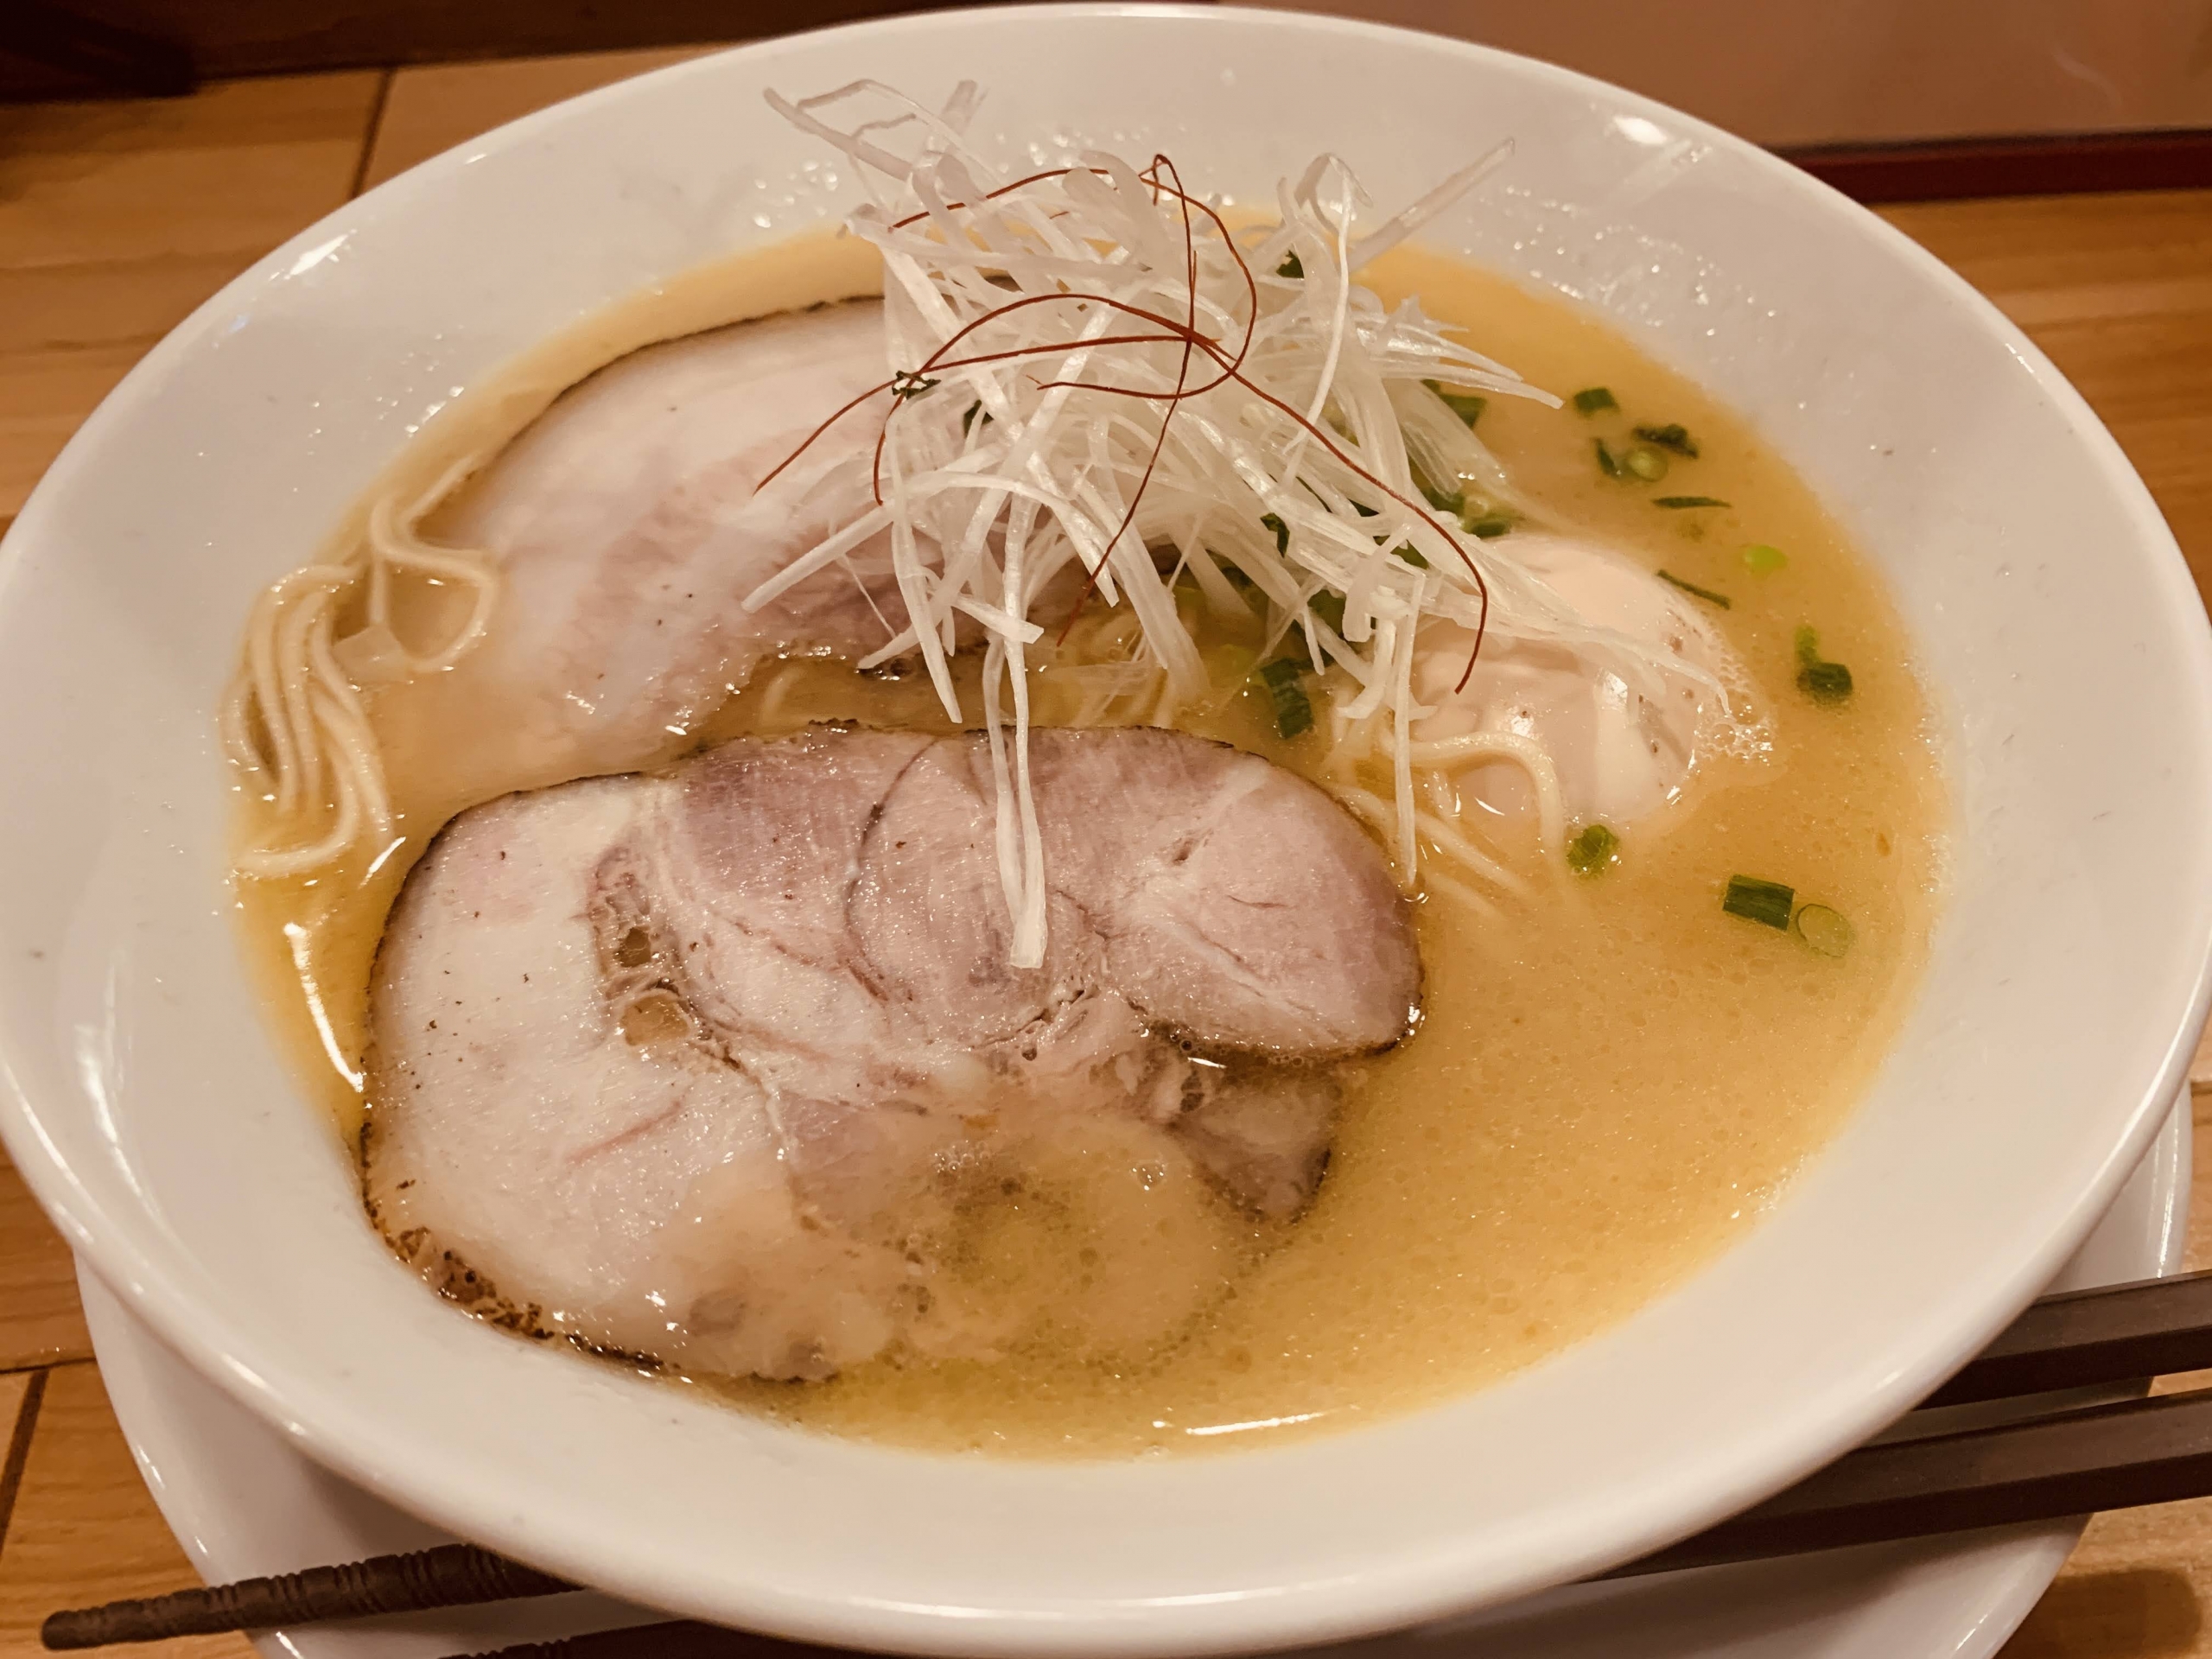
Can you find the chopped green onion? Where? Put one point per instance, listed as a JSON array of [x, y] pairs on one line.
[[1827, 932], [1466, 406], [1764, 559], [1647, 464], [1767, 903], [909, 383], [1707, 593], [1282, 531], [1591, 399], [1821, 680], [1329, 606], [1293, 714], [1668, 437], [1687, 501], [1593, 851], [1411, 555], [1488, 519], [1607, 463], [1439, 500], [968, 419], [1290, 267], [1825, 681]]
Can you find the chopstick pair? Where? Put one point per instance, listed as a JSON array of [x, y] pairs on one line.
[[2064, 1461]]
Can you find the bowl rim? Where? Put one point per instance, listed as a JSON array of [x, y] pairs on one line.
[[125, 1253]]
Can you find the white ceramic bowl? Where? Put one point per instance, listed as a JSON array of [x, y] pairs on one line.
[[2053, 616]]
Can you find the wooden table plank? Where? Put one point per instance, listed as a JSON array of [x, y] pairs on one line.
[[2117, 289], [116, 219], [433, 108], [15, 1443], [85, 1529], [40, 1320]]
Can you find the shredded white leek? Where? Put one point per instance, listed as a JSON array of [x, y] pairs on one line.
[[1087, 365]]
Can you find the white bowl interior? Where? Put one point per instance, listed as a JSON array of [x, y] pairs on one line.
[[2053, 616]]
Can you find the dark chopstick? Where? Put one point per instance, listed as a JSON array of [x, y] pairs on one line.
[[2053, 1468], [2153, 1327], [2055, 1465], [451, 1576]]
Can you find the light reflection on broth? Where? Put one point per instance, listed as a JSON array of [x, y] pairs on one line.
[[1608, 1086]]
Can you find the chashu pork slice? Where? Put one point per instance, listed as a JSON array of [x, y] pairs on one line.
[[629, 523], [725, 1067]]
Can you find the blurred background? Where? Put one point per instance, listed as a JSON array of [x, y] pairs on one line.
[[1788, 74]]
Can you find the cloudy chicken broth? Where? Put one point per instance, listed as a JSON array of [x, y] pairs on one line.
[[1615, 1070]]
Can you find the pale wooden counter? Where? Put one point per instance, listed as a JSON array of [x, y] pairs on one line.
[[117, 219]]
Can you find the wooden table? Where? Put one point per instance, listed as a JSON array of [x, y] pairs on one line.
[[116, 219]]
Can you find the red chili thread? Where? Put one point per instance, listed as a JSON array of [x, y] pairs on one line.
[[1233, 371], [1187, 332], [936, 358]]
